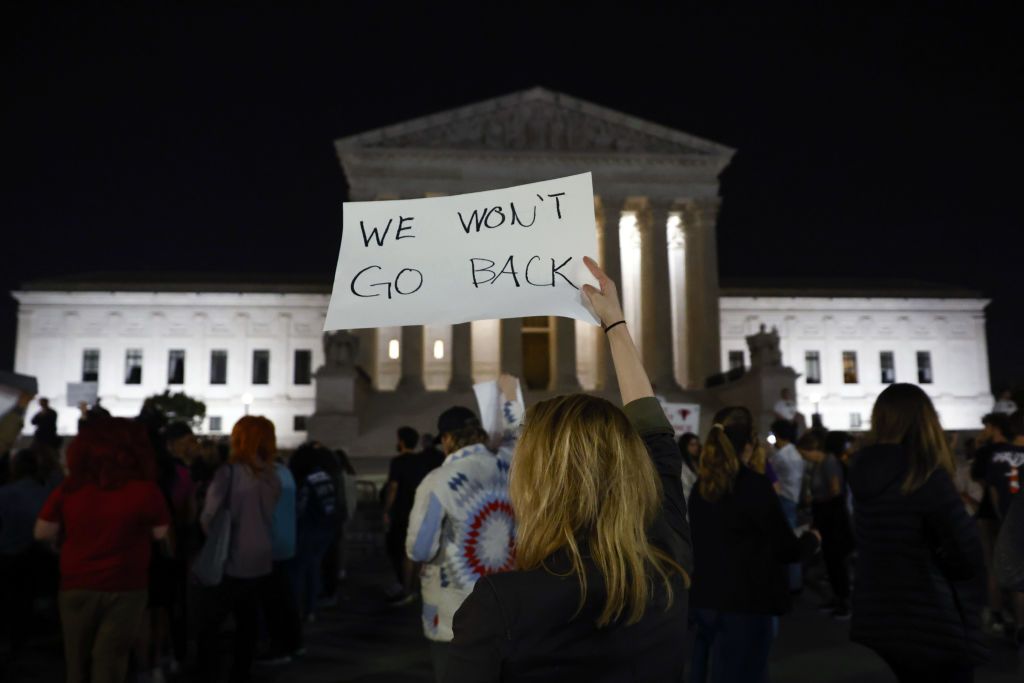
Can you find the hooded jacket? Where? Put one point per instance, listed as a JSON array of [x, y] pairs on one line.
[[920, 572]]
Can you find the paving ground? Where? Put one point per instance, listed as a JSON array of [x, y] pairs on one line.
[[364, 640]]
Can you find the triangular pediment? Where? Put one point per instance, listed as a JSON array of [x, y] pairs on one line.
[[535, 120]]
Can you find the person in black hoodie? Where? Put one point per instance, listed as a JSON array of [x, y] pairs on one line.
[[742, 544], [602, 543], [920, 570]]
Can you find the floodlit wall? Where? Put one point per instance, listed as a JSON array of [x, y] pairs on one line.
[[850, 336]]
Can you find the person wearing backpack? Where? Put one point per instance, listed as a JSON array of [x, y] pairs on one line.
[[318, 518]]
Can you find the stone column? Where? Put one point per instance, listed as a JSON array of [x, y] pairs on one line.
[[702, 317], [611, 262], [462, 358], [511, 358], [655, 298], [566, 379], [412, 359]]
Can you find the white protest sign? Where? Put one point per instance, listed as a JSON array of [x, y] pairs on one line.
[[443, 260], [490, 403], [684, 417]]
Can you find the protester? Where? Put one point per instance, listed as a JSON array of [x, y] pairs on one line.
[[602, 546], [278, 599], [1003, 482], [788, 465], [11, 423], [108, 511], [249, 488], [317, 520], [918, 552], [742, 541], [20, 556], [828, 507], [689, 448], [461, 525], [406, 472], [994, 439], [45, 422], [162, 642]]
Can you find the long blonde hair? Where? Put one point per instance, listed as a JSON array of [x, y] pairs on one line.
[[904, 415], [582, 475]]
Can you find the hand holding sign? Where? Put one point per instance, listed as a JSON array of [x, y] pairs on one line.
[[605, 300], [497, 254]]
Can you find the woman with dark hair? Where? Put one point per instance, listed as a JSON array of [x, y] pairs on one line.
[[689, 448], [249, 488], [916, 600], [741, 545], [110, 510]]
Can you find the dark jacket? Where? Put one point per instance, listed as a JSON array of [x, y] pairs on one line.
[[523, 626], [742, 544], [919, 587]]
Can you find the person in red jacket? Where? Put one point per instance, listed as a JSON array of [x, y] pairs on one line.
[[108, 511]]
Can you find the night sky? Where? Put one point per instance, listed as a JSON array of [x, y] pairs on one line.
[[870, 145]]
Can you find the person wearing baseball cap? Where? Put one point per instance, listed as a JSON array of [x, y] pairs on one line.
[[461, 526]]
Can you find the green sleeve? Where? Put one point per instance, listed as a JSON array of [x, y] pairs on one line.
[[647, 417]]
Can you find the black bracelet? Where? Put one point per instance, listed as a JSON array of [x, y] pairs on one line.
[[621, 322]]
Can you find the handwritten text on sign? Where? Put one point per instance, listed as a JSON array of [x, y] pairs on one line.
[[497, 254]]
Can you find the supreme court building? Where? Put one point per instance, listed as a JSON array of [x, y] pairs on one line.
[[257, 347]]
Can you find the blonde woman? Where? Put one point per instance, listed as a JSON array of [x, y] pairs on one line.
[[602, 545]]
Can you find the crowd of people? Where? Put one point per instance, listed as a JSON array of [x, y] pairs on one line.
[[110, 539], [579, 541]]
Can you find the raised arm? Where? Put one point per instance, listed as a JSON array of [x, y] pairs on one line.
[[646, 415], [512, 411], [629, 369]]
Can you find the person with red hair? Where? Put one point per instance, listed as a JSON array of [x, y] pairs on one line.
[[109, 510], [248, 486]]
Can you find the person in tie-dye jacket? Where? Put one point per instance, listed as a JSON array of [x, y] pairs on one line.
[[462, 527]]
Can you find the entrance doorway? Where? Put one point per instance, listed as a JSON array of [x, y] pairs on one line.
[[537, 352]]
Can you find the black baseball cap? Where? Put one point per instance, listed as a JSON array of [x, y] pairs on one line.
[[455, 418]]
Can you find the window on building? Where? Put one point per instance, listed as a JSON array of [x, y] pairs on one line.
[[176, 366], [888, 364], [849, 367], [133, 366], [299, 423], [812, 367], [218, 366], [855, 421], [303, 366], [91, 365], [924, 367], [393, 349], [215, 423], [438, 349], [261, 366], [736, 360]]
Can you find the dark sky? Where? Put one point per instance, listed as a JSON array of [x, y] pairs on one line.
[[871, 145]]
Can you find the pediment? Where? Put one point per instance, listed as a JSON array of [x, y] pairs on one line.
[[535, 120]]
